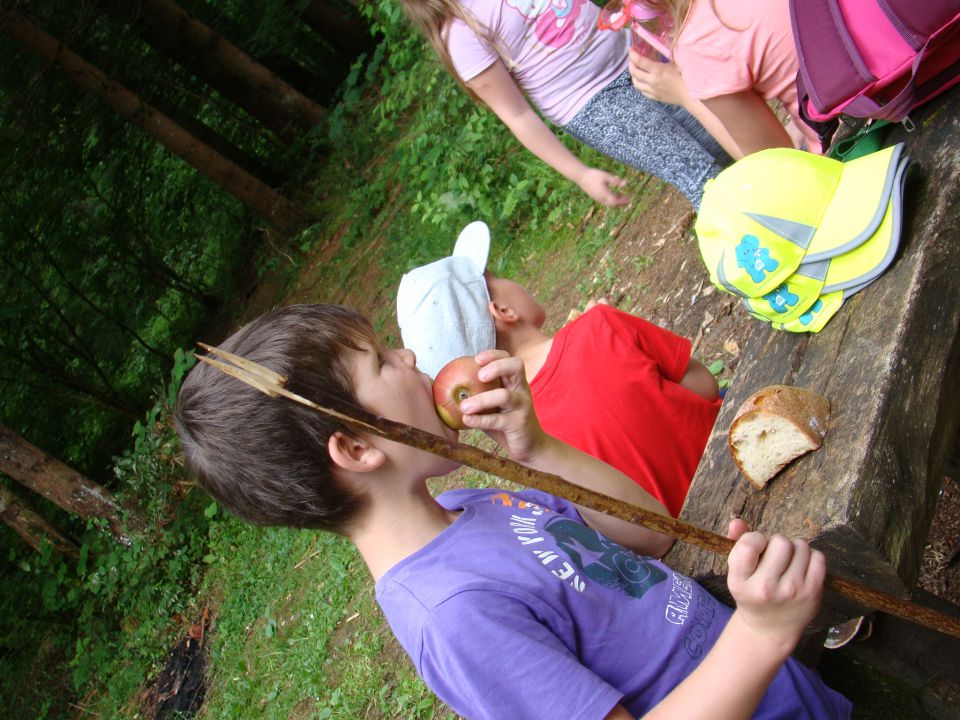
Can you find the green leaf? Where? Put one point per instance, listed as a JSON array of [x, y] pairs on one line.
[[82, 560], [716, 367], [211, 510]]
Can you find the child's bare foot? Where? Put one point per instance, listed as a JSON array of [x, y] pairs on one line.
[[575, 313], [593, 303]]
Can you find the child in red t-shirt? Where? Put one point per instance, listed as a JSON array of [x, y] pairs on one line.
[[611, 384]]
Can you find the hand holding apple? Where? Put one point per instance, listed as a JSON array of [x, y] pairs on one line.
[[456, 381], [505, 412]]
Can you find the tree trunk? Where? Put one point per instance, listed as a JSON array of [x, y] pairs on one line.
[[229, 61], [260, 106], [28, 524], [321, 83], [342, 27], [220, 144], [57, 482], [246, 188]]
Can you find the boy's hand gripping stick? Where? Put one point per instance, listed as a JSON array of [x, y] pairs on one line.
[[359, 420]]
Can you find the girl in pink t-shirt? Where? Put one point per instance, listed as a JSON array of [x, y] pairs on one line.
[[513, 55], [734, 56]]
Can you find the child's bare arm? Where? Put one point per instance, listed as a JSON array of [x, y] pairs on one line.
[[778, 585], [750, 122], [700, 380], [514, 425], [497, 88]]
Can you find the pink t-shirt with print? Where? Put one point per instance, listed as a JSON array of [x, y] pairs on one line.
[[745, 44], [552, 48]]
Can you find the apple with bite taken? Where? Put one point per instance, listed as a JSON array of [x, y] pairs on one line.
[[456, 381]]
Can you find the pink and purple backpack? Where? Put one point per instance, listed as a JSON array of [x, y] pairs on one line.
[[874, 59]]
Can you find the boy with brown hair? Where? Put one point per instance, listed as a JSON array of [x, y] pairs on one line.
[[643, 404], [510, 604]]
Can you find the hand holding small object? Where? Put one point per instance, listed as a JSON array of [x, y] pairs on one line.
[[599, 185], [506, 413], [658, 80]]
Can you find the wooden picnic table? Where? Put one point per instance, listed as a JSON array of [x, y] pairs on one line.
[[889, 362]]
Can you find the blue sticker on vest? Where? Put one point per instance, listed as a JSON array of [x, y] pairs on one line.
[[754, 259], [781, 299], [807, 317]]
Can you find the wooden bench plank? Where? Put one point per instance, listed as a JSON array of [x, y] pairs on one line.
[[889, 362]]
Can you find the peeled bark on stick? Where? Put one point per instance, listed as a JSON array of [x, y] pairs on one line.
[[247, 189], [58, 482], [360, 420]]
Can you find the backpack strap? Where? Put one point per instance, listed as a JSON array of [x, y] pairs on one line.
[[912, 93], [825, 129], [831, 68], [916, 21]]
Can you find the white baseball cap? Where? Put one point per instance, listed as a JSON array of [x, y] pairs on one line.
[[442, 307]]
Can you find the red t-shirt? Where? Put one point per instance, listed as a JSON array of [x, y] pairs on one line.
[[610, 387]]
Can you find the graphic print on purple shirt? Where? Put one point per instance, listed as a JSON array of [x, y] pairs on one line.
[[588, 552], [594, 557], [603, 561]]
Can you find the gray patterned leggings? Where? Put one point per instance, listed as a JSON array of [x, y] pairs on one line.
[[660, 139]]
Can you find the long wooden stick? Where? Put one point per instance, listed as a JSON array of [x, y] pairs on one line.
[[360, 420]]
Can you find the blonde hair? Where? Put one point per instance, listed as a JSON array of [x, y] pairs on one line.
[[676, 12], [433, 19]]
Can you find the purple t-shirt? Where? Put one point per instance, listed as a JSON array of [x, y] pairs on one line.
[[552, 48], [519, 610]]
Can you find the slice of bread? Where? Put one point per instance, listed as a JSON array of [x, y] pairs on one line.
[[774, 426]]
